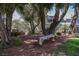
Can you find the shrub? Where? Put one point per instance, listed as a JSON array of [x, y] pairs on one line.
[[17, 41], [1, 46], [76, 36]]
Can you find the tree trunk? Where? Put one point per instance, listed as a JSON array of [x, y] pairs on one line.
[[74, 18], [6, 29], [9, 24], [42, 17], [4, 37], [32, 27], [9, 14], [56, 20]]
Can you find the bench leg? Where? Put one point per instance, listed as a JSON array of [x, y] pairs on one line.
[[40, 42]]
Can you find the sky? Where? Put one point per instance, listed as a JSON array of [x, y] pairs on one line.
[[68, 14], [50, 13]]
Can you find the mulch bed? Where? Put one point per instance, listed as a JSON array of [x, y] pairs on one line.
[[31, 49]]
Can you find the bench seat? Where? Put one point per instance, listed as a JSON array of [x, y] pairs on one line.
[[41, 39]]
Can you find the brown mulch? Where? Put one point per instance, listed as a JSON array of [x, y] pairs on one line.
[[30, 48]]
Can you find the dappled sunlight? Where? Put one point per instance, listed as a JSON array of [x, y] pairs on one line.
[[29, 41], [74, 38]]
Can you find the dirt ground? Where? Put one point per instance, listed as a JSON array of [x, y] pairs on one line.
[[30, 48]]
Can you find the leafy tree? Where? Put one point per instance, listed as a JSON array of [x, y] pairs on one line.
[[56, 20], [7, 10], [29, 13], [75, 17]]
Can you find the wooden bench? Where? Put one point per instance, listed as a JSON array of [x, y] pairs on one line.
[[41, 39]]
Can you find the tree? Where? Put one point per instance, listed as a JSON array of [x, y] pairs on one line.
[[3, 31], [29, 13], [29, 10], [7, 10], [41, 14], [75, 17], [56, 19], [42, 10]]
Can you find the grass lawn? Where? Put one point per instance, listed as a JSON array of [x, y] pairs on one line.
[[70, 48]]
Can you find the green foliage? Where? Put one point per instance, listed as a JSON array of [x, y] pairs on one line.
[[76, 36], [17, 41], [1, 46], [71, 48], [30, 33]]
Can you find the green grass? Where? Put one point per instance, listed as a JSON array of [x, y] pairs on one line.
[[71, 47]]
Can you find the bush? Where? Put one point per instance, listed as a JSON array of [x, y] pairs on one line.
[[1, 46], [76, 36], [17, 41]]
